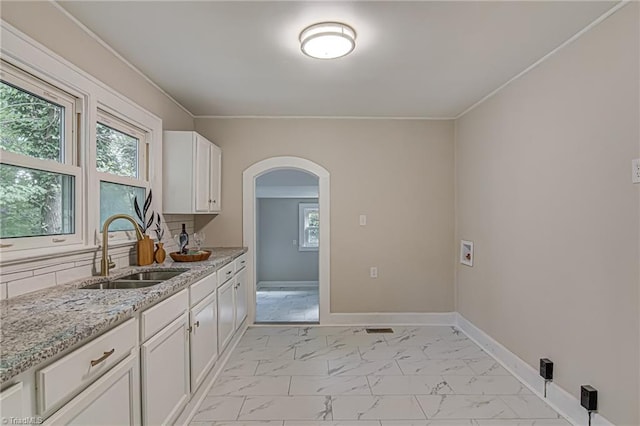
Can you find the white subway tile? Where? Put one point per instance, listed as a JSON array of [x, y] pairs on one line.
[[67, 275], [57, 267], [27, 285], [4, 278]]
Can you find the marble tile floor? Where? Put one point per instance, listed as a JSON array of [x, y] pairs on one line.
[[287, 304], [341, 376]]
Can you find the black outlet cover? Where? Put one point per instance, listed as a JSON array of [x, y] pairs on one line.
[[546, 368], [589, 397]]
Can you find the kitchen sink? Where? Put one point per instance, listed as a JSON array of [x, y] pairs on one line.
[[137, 280], [120, 284], [151, 276]]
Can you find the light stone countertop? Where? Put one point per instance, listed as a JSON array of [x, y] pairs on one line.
[[37, 326]]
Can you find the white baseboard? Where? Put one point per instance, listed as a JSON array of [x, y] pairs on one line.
[[558, 398], [274, 284], [390, 318]]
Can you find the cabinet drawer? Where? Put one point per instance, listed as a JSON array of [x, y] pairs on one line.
[[58, 381], [241, 262], [201, 289], [155, 318], [226, 272]]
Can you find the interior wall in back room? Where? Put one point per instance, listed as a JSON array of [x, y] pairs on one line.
[[277, 227], [544, 190], [397, 172], [47, 24]]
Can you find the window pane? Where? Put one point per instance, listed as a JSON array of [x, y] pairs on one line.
[[311, 227], [35, 202], [117, 199], [30, 125], [311, 237], [117, 152]]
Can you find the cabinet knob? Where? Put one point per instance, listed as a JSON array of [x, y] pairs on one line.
[[197, 324]]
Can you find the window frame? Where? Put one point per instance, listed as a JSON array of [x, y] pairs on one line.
[[68, 164], [22, 52], [123, 125], [302, 242]]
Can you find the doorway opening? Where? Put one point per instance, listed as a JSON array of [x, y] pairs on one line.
[[287, 242], [286, 229]]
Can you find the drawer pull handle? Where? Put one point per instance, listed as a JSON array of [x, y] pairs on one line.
[[104, 356], [197, 324]]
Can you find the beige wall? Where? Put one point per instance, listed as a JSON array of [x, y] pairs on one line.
[[397, 172], [45, 23], [544, 190]]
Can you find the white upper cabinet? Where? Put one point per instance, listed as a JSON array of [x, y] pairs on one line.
[[191, 174]]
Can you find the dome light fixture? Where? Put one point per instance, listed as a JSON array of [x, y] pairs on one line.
[[327, 40]]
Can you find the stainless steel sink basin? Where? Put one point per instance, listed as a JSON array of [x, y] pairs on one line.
[[120, 284], [151, 276], [137, 280]]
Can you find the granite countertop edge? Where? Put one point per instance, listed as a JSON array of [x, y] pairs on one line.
[[37, 326]]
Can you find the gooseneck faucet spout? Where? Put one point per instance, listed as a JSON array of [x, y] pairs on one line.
[[105, 264]]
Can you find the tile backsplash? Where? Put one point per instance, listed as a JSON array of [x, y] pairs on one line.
[[25, 277]]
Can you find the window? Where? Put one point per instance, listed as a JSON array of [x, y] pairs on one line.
[[121, 161], [39, 173], [309, 225]]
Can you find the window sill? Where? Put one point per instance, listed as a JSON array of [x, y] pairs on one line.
[[300, 248]]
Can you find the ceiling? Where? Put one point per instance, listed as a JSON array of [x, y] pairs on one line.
[[412, 59]]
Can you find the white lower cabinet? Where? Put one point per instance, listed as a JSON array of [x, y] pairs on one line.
[[226, 313], [204, 339], [165, 373], [11, 402], [241, 297], [114, 399]]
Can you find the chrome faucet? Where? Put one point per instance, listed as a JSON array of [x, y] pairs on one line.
[[106, 263]]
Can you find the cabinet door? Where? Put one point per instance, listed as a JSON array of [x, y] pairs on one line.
[[114, 399], [11, 402], [204, 339], [241, 297], [216, 179], [165, 373], [226, 313], [202, 174]]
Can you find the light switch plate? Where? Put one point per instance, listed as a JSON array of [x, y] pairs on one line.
[[363, 219], [373, 272], [635, 170]]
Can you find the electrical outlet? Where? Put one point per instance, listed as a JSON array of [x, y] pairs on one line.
[[373, 272], [295, 242], [635, 170]]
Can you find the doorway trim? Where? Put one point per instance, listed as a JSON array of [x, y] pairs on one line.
[[249, 177]]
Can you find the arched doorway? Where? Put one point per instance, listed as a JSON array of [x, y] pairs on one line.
[[249, 177]]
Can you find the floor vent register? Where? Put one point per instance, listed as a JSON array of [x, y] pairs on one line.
[[378, 330]]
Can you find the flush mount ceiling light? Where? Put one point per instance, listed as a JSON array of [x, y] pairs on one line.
[[327, 40]]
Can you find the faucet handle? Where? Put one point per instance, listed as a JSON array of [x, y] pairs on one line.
[[112, 264]]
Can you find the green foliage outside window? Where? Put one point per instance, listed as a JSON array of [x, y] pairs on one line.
[[32, 202]]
